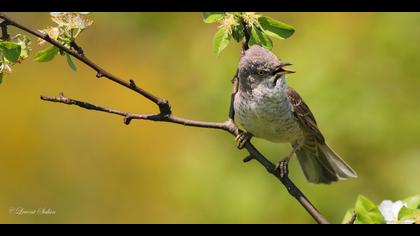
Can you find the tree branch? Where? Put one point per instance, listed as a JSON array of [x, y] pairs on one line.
[[163, 104], [165, 114], [246, 38], [235, 84], [132, 116], [4, 35]]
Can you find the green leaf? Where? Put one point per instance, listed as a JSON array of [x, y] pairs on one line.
[[258, 37], [220, 40], [347, 216], [1, 78], [413, 202], [211, 17], [70, 62], [367, 212], [10, 50], [275, 28], [238, 32], [408, 214], [46, 54]]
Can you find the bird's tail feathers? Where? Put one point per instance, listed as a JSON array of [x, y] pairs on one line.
[[321, 164]]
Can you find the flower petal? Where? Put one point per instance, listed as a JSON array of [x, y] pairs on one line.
[[390, 210]]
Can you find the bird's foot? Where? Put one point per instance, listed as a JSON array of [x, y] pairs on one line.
[[283, 167], [242, 138]]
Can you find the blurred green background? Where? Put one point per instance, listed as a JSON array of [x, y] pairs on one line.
[[359, 73]]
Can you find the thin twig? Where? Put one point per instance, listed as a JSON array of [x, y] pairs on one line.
[[132, 116], [165, 114], [4, 35], [246, 38], [353, 218], [235, 85], [77, 48]]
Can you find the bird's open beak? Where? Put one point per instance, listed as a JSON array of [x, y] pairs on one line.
[[282, 71]]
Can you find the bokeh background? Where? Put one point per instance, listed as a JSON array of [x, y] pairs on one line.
[[359, 73]]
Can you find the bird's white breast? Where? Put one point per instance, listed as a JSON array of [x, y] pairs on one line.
[[266, 113]]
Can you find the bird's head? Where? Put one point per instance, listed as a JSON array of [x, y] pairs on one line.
[[260, 65]]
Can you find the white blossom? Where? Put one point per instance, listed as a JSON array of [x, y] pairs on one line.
[[390, 210]]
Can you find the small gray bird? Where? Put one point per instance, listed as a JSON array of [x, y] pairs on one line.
[[268, 108]]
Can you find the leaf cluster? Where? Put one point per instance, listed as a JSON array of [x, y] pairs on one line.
[[236, 25]]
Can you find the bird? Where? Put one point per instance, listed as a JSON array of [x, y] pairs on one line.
[[266, 107]]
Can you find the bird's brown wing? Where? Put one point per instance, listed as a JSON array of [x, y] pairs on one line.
[[303, 114]]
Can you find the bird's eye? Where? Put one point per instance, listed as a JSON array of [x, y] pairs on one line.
[[260, 72]]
